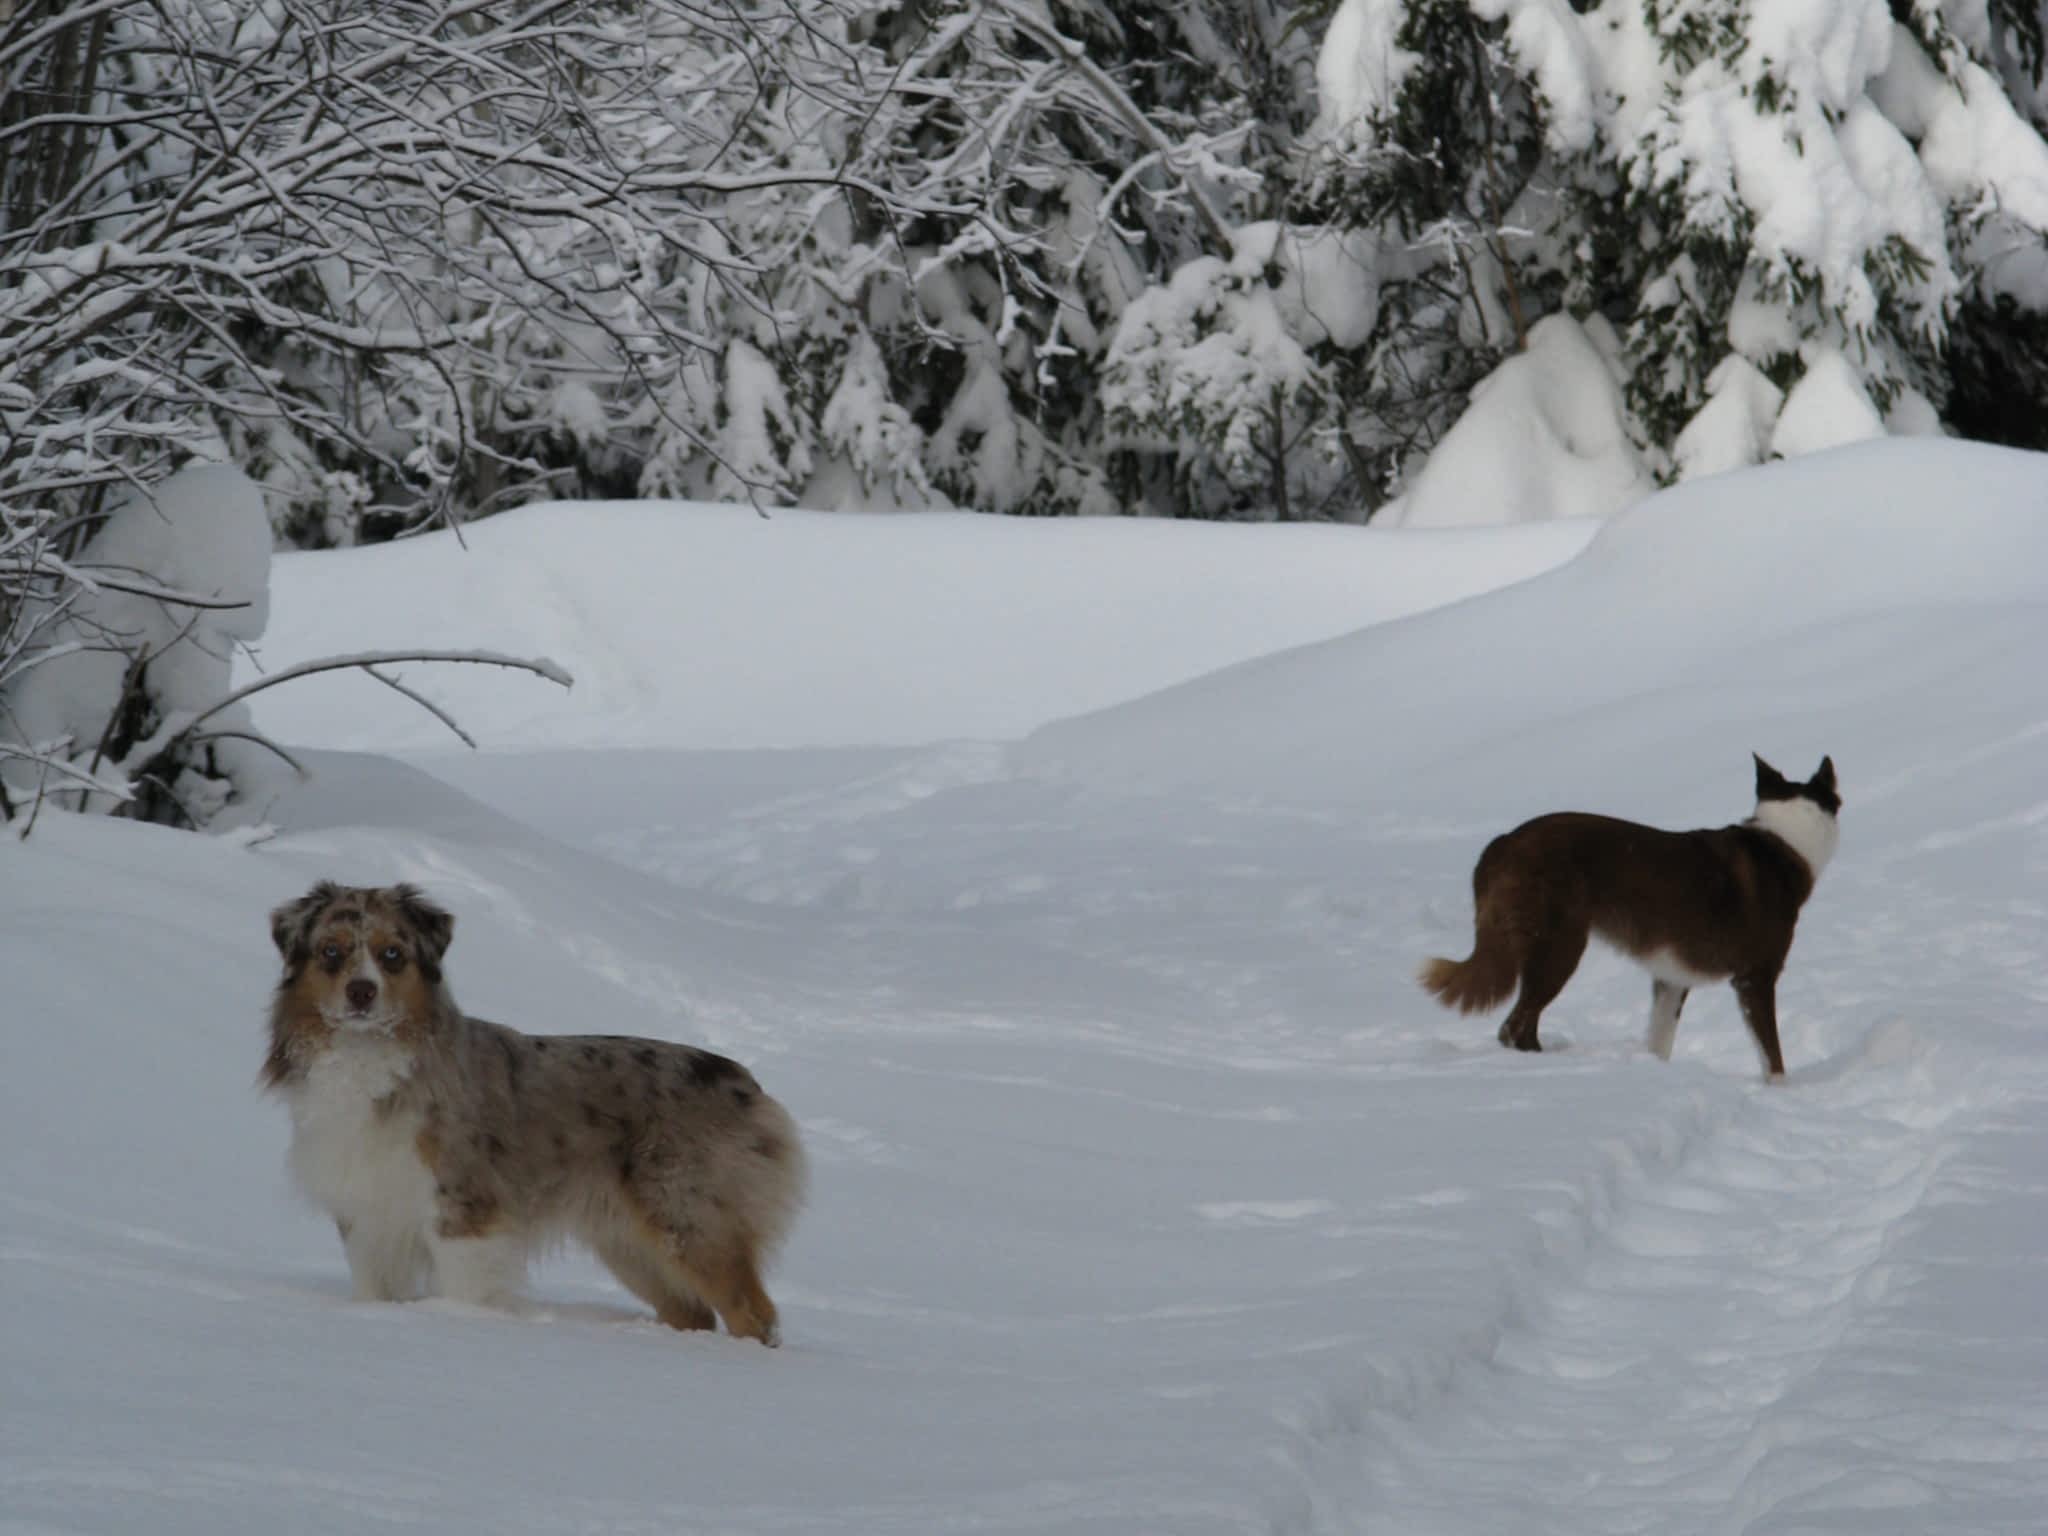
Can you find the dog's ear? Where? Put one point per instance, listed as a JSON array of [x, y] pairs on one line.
[[1770, 784], [291, 925], [1821, 790], [431, 925]]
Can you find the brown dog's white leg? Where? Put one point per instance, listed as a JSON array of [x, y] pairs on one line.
[[1666, 1000]]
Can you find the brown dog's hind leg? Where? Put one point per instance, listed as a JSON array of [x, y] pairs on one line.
[[1758, 995], [1553, 954]]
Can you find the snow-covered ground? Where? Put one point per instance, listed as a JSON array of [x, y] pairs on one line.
[[1149, 1195], [705, 626]]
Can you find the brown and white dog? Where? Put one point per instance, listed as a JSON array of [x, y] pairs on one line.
[[1692, 908], [447, 1148]]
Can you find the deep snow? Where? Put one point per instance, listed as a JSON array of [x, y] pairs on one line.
[[689, 625], [1150, 1194]]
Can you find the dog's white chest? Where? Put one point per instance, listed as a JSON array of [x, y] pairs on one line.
[[360, 1162], [1664, 964]]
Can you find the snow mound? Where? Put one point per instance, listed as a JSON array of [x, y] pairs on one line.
[[1543, 438], [1778, 568], [1827, 408], [712, 627]]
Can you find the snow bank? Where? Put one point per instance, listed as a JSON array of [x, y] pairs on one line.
[[1733, 429], [707, 626], [1782, 565]]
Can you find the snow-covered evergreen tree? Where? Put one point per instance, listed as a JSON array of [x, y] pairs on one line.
[[1804, 221], [1428, 143], [1207, 370]]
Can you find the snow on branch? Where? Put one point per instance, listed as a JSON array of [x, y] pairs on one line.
[[369, 661], [1118, 100]]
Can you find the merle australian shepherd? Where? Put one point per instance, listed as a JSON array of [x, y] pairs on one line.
[[447, 1149]]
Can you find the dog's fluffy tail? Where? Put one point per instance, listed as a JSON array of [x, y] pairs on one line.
[[1485, 979], [776, 1192]]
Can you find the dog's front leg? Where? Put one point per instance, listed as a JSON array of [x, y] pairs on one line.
[[481, 1271], [477, 1257], [1666, 1001], [384, 1261]]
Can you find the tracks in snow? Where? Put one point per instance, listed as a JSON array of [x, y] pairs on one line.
[[1660, 1378], [1734, 1325]]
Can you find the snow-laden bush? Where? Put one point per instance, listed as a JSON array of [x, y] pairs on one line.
[[103, 671], [406, 259], [115, 659], [1206, 369], [359, 250], [1804, 221]]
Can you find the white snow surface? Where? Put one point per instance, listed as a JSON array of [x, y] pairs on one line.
[[690, 625], [1150, 1194], [1826, 408], [1733, 429]]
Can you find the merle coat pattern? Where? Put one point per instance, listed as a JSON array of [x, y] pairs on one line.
[[448, 1148]]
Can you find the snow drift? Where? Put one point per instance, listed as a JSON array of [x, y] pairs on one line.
[[704, 626], [1906, 571]]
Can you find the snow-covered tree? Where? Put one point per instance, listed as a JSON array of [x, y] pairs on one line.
[[1207, 370], [1428, 143], [1802, 221], [1022, 255], [1076, 146], [410, 258]]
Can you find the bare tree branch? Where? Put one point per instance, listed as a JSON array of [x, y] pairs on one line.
[[424, 703], [369, 660]]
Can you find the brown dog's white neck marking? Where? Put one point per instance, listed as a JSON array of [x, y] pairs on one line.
[[1696, 907], [1808, 829]]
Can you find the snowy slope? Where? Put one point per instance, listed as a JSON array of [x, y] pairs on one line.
[[1150, 1195], [705, 626], [1792, 608]]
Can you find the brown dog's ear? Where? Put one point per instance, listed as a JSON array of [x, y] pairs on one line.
[[291, 925], [431, 925], [1824, 776]]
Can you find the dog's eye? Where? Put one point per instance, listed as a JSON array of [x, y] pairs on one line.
[[393, 956], [330, 953]]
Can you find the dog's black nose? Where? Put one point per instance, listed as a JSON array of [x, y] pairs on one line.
[[361, 994]]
